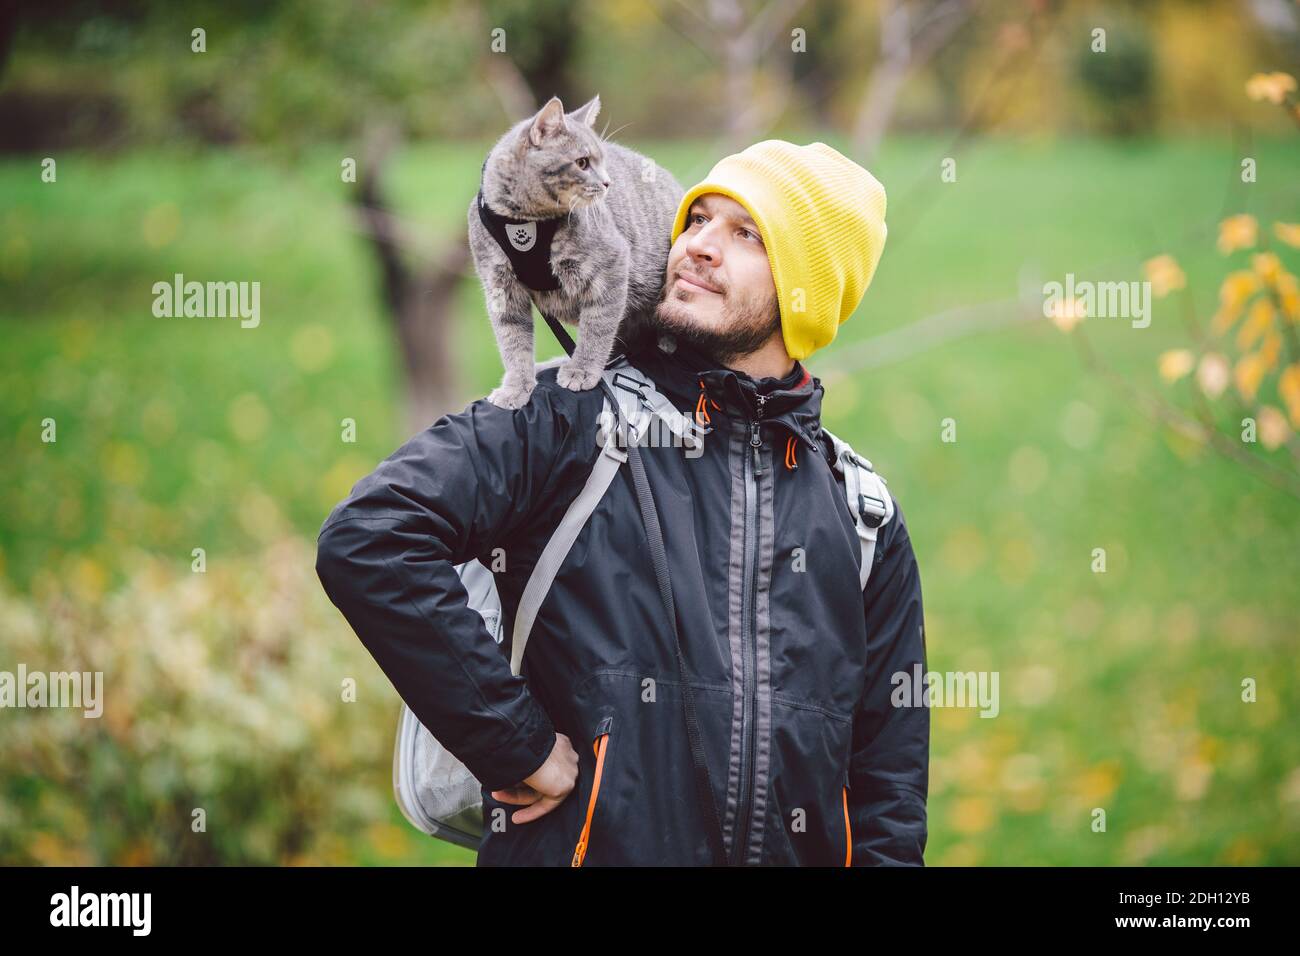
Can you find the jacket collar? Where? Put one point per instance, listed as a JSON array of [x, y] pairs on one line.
[[684, 374]]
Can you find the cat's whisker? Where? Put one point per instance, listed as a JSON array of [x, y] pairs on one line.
[[606, 139], [573, 208]]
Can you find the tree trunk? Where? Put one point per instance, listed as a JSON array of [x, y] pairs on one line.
[[902, 50], [420, 305]]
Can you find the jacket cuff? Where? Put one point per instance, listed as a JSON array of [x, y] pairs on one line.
[[520, 756]]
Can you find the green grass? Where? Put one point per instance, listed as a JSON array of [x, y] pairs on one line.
[[1119, 690]]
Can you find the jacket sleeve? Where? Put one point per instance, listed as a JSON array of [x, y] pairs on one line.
[[386, 557], [889, 768]]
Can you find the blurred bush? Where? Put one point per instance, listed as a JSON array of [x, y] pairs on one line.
[[1119, 81], [222, 691]]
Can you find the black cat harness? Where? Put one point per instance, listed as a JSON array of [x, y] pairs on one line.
[[528, 247], [526, 244]]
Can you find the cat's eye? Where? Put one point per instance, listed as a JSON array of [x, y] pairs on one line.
[[582, 162]]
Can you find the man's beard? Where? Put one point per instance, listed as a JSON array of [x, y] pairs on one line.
[[746, 326]]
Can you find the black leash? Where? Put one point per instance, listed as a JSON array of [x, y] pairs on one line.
[[659, 558], [566, 340]]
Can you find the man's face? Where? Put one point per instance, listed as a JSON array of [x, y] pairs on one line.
[[718, 293]]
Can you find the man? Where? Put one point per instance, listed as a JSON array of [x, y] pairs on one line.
[[584, 758]]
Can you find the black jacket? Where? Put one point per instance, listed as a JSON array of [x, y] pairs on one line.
[[793, 663]]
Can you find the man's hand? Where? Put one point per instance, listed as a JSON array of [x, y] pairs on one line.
[[546, 789]]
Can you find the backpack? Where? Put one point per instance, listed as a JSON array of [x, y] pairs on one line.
[[435, 791]]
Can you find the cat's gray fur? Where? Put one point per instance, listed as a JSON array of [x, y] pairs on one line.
[[609, 253]]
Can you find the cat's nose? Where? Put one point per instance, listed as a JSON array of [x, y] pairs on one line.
[[605, 183]]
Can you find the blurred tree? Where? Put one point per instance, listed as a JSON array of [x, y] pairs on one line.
[[542, 38], [420, 302], [1119, 80], [818, 71], [743, 34], [8, 24], [911, 35], [285, 73], [281, 73]]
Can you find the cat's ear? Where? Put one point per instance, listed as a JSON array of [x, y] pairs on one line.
[[587, 112], [549, 120]]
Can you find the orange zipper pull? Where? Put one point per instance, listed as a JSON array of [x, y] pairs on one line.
[[599, 745], [848, 832]]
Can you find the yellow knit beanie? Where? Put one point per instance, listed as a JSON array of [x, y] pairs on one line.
[[822, 219]]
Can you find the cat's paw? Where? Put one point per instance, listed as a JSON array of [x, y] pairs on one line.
[[511, 394], [576, 377]]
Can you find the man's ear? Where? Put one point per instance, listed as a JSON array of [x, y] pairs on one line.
[[587, 112], [549, 120]]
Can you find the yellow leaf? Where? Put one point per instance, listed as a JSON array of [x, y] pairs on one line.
[[1288, 389], [1270, 87], [1288, 293], [137, 853], [1288, 232], [1273, 429], [89, 577], [1097, 783], [1067, 313], [1267, 266], [971, 815], [1268, 352], [1213, 374], [1248, 374], [1237, 232], [1223, 320], [1237, 288], [1176, 363], [1164, 274], [1257, 321]]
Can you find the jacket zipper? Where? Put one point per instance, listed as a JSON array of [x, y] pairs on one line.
[[749, 639], [599, 746]]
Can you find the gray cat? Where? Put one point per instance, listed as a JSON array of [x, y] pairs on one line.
[[611, 211]]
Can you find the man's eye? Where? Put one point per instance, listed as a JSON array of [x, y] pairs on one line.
[[696, 217], [751, 234], [583, 162]]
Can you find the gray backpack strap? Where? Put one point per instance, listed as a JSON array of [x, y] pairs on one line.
[[633, 405], [640, 403], [869, 500], [557, 549]]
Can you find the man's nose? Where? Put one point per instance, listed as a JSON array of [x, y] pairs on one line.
[[703, 245]]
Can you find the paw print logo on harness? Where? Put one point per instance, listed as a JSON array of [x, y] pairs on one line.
[[523, 236]]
